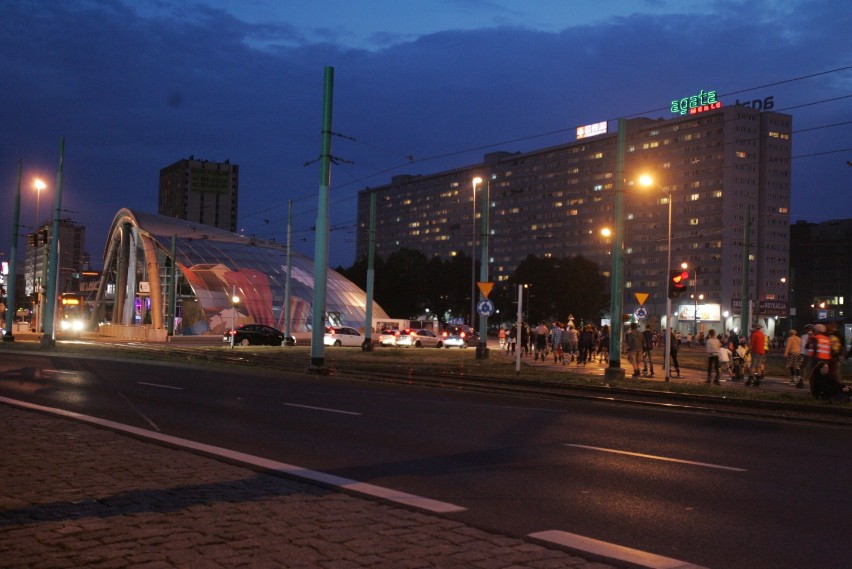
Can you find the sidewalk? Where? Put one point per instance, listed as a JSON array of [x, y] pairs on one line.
[[75, 495], [687, 374]]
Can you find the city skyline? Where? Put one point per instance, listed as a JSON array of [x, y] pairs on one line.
[[135, 88]]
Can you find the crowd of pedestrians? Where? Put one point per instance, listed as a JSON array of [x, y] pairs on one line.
[[813, 358]]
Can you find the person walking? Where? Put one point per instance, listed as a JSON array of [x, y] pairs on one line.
[[793, 358], [501, 337], [647, 346], [806, 360], [586, 344], [541, 334], [675, 345], [556, 342], [573, 341], [757, 345], [712, 345], [635, 346], [725, 358], [819, 352], [603, 345]]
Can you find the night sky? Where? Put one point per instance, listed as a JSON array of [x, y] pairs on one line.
[[420, 86]]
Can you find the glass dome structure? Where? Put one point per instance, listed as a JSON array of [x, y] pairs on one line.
[[211, 266]]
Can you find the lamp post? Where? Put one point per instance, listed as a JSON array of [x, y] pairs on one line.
[[476, 181], [648, 181], [39, 185], [235, 300]]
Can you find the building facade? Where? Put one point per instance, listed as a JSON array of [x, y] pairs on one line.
[[201, 191], [726, 170], [820, 273]]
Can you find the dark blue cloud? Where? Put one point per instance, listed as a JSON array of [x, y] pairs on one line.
[[132, 94]]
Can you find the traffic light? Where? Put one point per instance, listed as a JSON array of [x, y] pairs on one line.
[[677, 282], [42, 236]]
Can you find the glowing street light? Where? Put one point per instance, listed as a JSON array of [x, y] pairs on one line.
[[235, 300]]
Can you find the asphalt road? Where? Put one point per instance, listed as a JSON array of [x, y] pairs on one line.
[[710, 490]]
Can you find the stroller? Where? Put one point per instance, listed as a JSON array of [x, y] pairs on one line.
[[738, 367]]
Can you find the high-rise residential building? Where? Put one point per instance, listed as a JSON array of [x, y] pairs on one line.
[[726, 170], [72, 257], [202, 191]]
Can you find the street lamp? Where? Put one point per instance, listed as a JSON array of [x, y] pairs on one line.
[[482, 348], [648, 181], [235, 300], [39, 185]]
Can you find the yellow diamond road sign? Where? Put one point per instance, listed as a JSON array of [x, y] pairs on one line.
[[641, 297], [485, 288]]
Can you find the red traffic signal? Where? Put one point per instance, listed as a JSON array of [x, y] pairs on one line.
[[677, 282]]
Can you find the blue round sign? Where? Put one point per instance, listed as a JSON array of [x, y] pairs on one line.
[[641, 313], [485, 307]]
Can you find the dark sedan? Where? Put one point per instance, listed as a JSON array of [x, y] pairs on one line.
[[258, 335]]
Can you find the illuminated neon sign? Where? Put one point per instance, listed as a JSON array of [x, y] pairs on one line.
[[703, 101]]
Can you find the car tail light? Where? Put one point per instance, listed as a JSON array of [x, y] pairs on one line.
[[462, 334]]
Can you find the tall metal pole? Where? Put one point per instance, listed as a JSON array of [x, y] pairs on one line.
[[288, 325], [473, 256], [13, 262], [615, 371], [371, 276], [171, 303], [482, 349], [668, 328], [321, 234], [519, 322], [695, 308], [745, 318], [48, 339]]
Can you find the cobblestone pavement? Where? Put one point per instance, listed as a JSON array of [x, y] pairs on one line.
[[76, 495]]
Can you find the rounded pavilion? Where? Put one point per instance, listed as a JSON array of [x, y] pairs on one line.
[[167, 276]]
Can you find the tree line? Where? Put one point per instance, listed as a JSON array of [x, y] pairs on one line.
[[408, 284]]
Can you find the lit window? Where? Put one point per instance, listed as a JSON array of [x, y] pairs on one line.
[[693, 221], [694, 197]]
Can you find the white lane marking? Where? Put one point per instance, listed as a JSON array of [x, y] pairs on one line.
[[663, 458], [612, 551], [265, 463], [322, 409], [160, 385], [140, 413]]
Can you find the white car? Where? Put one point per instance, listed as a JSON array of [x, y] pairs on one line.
[[342, 336], [418, 339], [388, 337]]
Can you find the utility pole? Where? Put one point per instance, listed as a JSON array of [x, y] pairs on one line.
[[321, 234]]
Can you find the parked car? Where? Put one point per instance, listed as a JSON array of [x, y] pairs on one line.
[[258, 335], [388, 337], [418, 339], [342, 336], [459, 337]]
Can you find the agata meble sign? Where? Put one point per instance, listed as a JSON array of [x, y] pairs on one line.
[[694, 104], [707, 101]]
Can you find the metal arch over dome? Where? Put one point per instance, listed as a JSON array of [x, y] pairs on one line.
[[212, 264]]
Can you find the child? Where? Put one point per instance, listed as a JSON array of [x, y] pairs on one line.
[[725, 360]]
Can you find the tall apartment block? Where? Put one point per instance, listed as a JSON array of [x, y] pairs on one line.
[[202, 191], [72, 257], [727, 170]]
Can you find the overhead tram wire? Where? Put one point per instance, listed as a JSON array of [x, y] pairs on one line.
[[569, 129]]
